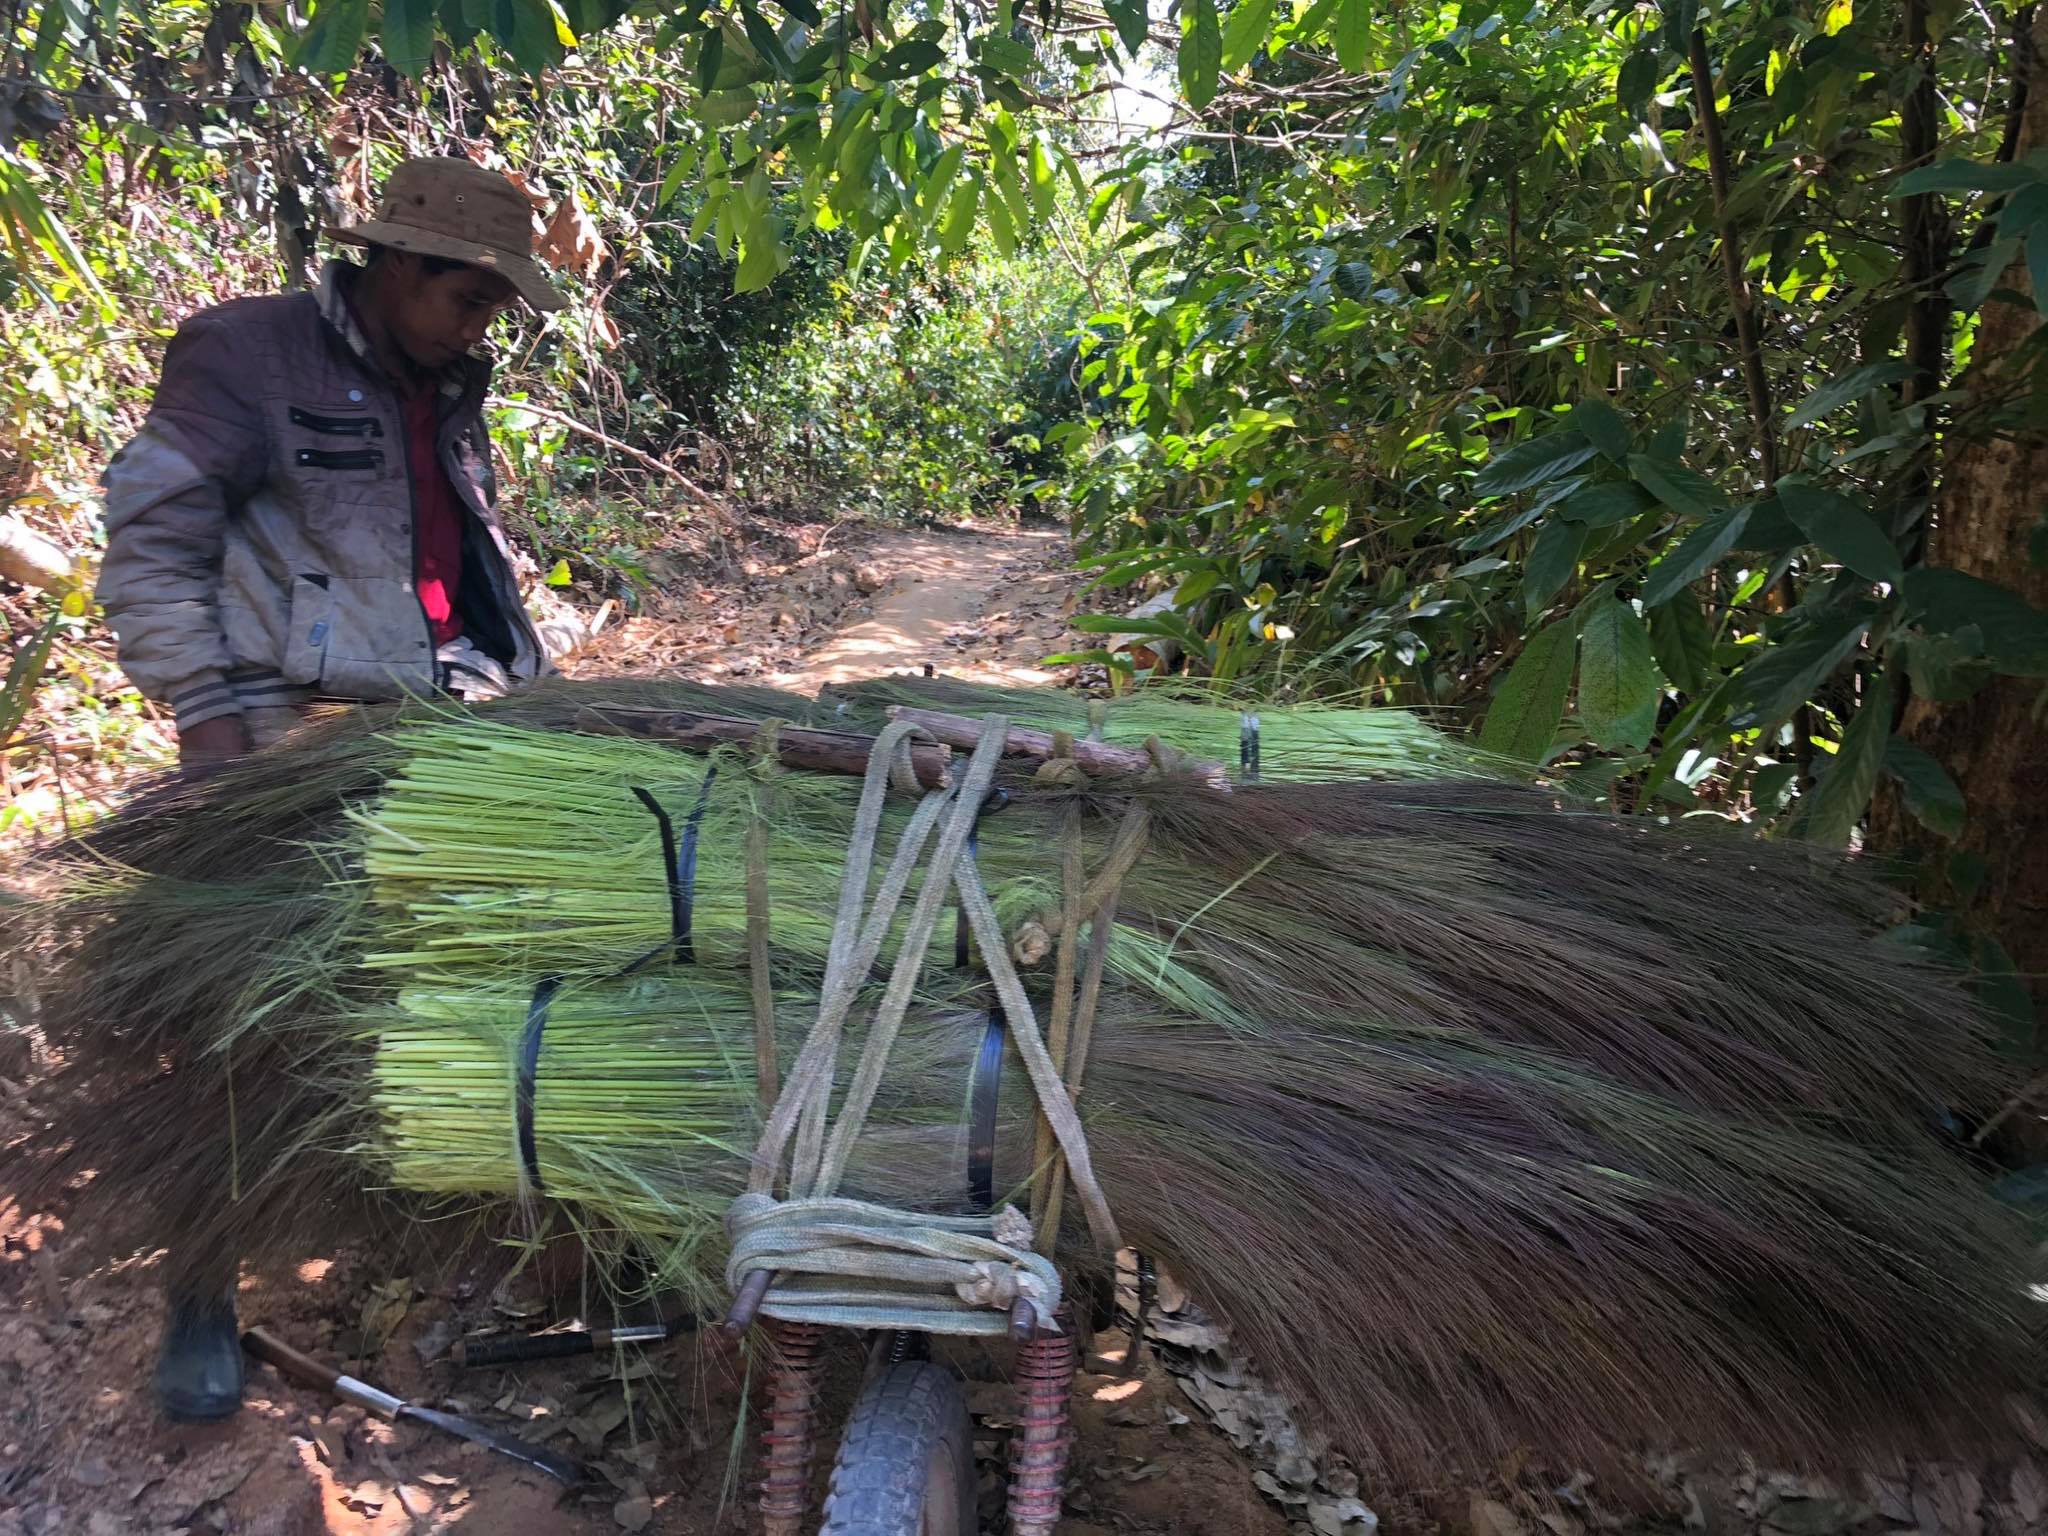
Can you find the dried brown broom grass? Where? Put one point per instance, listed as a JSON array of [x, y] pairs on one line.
[[1549, 1130]]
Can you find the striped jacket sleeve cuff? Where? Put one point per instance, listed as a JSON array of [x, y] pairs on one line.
[[204, 698]]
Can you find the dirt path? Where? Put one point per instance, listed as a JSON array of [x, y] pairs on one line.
[[83, 1453], [806, 606], [976, 605]]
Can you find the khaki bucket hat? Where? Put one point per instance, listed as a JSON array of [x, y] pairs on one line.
[[452, 208]]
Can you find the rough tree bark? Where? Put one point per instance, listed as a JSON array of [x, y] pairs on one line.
[[1996, 742]]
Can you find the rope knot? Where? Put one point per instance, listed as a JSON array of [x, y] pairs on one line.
[[1011, 1227], [768, 748], [999, 1287]]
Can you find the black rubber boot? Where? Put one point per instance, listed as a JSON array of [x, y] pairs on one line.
[[199, 1366]]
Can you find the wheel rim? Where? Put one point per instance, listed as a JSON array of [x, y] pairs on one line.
[[941, 1495]]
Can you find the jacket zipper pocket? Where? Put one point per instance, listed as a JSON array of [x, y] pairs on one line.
[[338, 426], [321, 458]]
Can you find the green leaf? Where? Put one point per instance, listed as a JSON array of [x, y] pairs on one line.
[[1679, 488], [1930, 794], [1682, 641], [1946, 668], [1533, 462], [762, 255], [1830, 811], [63, 22], [24, 673], [2014, 633], [710, 60], [1245, 31], [1668, 441], [1638, 76], [1352, 36], [721, 109], [1000, 228], [766, 42], [1605, 428], [1681, 17], [1038, 158], [1523, 720], [408, 35], [1844, 388], [558, 574], [1604, 505], [1515, 522], [1767, 791], [526, 29], [1201, 51], [1617, 681], [958, 228], [938, 182], [1769, 531], [1978, 272], [1551, 563], [1314, 20], [1694, 555], [672, 183], [1132, 23], [1787, 674], [804, 11], [330, 43], [1841, 528], [906, 59], [1964, 176]]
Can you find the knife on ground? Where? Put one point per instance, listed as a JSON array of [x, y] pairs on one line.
[[268, 1347]]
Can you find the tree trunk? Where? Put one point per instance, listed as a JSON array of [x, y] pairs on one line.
[[1995, 743]]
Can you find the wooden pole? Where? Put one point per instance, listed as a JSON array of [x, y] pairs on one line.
[[1097, 759], [819, 751]]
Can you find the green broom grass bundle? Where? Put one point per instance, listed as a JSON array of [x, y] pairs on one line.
[[1473, 1117]]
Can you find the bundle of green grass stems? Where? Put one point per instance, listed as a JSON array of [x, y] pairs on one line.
[[1484, 1122]]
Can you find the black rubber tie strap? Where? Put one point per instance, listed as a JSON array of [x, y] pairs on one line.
[[1248, 747], [992, 802], [1148, 1286], [529, 1068], [983, 1085], [679, 864]]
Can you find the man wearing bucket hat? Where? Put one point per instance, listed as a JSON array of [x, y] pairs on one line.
[[308, 514], [309, 511]]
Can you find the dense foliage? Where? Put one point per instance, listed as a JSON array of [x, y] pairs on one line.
[[927, 394]]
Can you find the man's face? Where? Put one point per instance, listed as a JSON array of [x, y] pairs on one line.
[[437, 317]]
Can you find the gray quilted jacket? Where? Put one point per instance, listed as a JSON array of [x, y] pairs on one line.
[[259, 527]]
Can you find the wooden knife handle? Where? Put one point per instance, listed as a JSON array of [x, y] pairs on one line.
[[267, 1346]]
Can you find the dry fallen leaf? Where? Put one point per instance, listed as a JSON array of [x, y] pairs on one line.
[[414, 1501], [572, 243], [329, 1441], [1490, 1517], [634, 1512], [383, 1310]]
